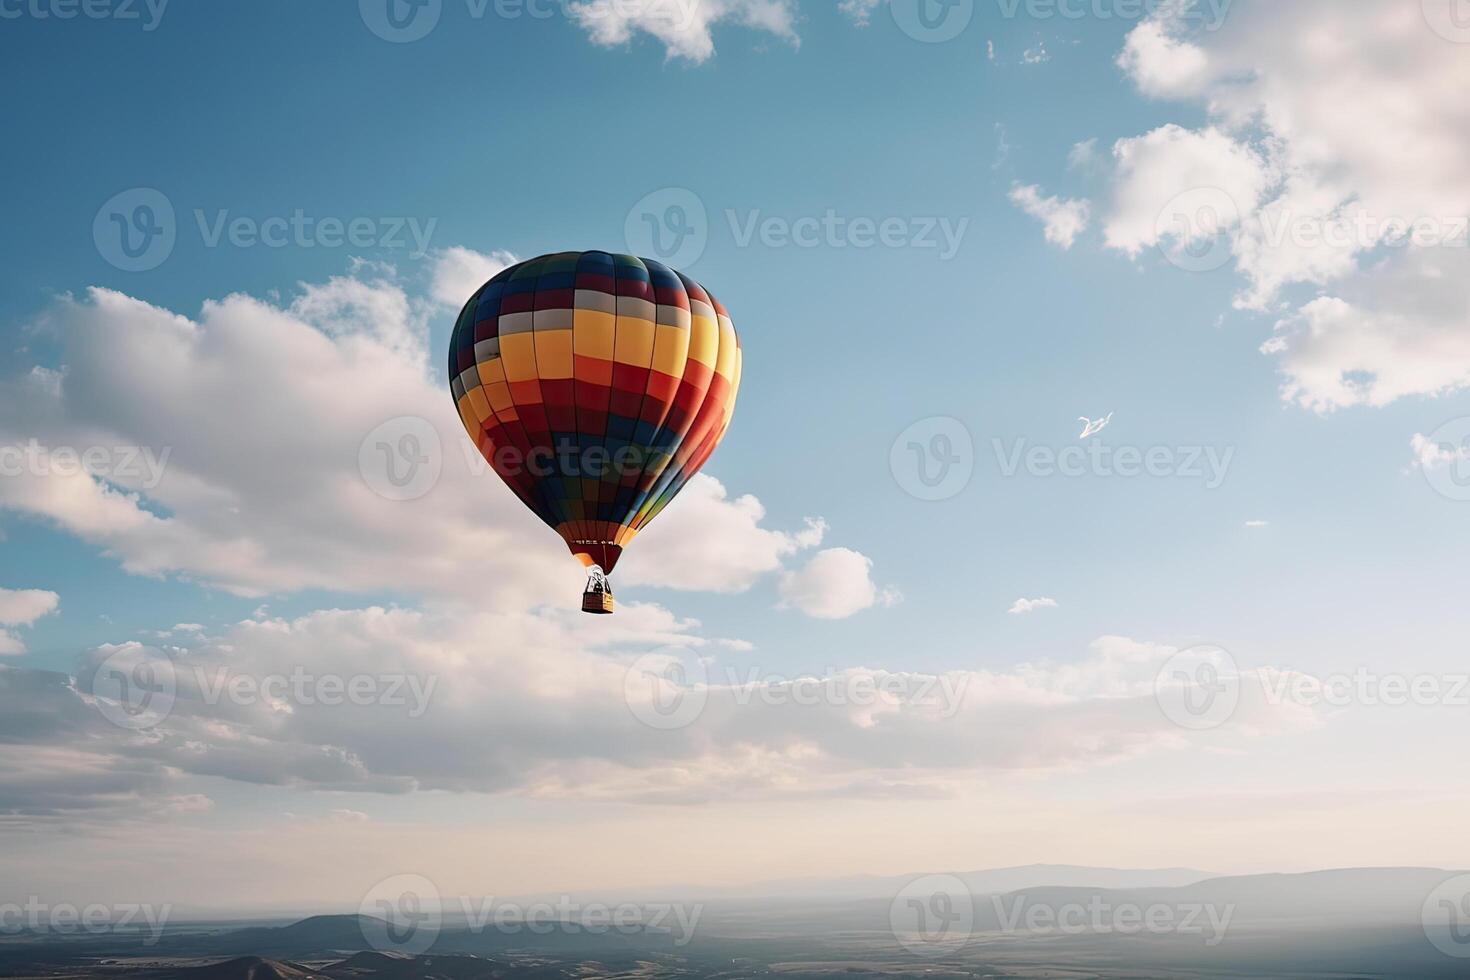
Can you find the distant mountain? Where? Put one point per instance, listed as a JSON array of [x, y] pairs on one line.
[[1357, 922], [1287, 921], [994, 881], [1041, 875], [1381, 897], [1346, 894], [1342, 893]]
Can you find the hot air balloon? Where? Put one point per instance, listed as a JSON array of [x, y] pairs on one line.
[[595, 385]]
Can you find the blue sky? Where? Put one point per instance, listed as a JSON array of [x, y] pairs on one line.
[[1329, 543]]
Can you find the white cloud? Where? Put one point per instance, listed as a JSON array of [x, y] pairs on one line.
[[457, 272], [1256, 524], [1303, 234], [1023, 606], [1063, 219], [364, 309], [1334, 127], [834, 584], [1430, 455], [711, 542], [685, 26], [1158, 179], [1394, 332], [1161, 63], [540, 706], [269, 419], [22, 607], [264, 494]]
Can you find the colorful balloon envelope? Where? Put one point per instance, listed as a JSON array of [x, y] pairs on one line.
[[595, 385]]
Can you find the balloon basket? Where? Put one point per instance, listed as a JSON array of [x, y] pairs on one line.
[[598, 597], [598, 603]]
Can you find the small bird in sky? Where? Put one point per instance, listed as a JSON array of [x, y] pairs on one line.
[[1091, 428]]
